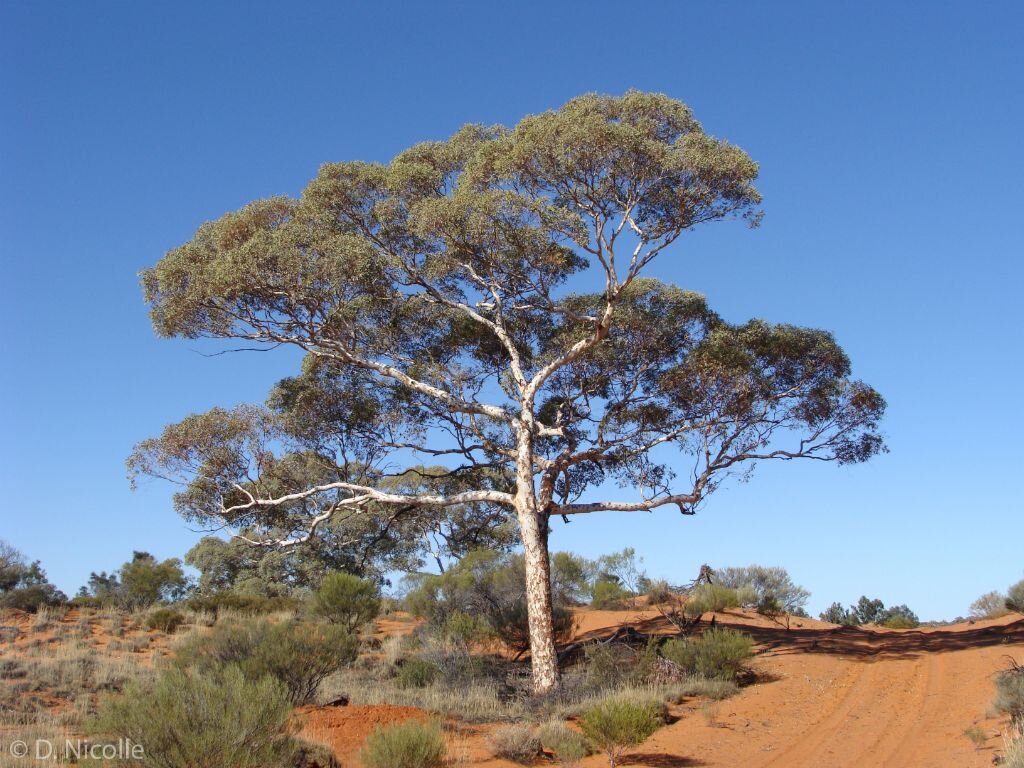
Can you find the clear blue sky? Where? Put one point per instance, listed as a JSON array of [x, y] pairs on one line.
[[889, 141]]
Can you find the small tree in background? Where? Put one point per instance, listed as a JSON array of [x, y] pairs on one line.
[[988, 606], [774, 589], [837, 614], [868, 611], [23, 585], [900, 617], [346, 600], [139, 583], [624, 568]]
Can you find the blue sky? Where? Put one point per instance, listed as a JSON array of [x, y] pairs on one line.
[[888, 139]]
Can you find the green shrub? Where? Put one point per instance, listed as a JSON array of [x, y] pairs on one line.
[[412, 744], [1015, 597], [714, 598], [518, 742], [718, 653], [298, 654], [1010, 693], [568, 745], [418, 673], [217, 720], [617, 723], [607, 595], [900, 617], [165, 620], [346, 600]]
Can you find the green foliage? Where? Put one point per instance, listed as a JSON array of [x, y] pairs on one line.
[[216, 719], [718, 653], [298, 654], [624, 568], [1010, 693], [868, 611], [771, 589], [24, 585], [617, 723], [571, 575], [607, 595], [412, 744], [568, 745], [900, 617], [140, 583], [417, 673], [423, 283], [488, 586], [837, 614], [1015, 597], [517, 742], [346, 600], [165, 620], [711, 598]]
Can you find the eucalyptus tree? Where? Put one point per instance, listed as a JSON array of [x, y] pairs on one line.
[[483, 302]]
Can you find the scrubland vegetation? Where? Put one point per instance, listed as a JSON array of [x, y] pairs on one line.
[[148, 655]]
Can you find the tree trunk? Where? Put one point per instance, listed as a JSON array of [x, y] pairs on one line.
[[533, 529], [544, 658]]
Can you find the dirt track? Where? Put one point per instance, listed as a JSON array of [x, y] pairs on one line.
[[850, 697]]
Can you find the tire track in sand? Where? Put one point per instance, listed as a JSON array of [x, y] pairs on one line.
[[870, 724]]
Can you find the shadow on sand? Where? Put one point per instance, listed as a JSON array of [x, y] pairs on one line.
[[857, 642]]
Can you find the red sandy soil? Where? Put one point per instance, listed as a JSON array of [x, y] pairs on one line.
[[826, 697]]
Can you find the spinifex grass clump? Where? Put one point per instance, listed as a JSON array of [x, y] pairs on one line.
[[620, 722], [412, 744]]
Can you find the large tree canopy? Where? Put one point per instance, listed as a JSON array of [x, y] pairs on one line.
[[479, 303]]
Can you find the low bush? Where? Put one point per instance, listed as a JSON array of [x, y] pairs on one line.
[[1010, 693], [298, 654], [216, 720], [346, 600], [165, 620], [417, 673], [412, 744], [718, 653], [659, 592], [616, 664], [713, 598], [608, 595], [568, 745], [518, 742], [618, 723]]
